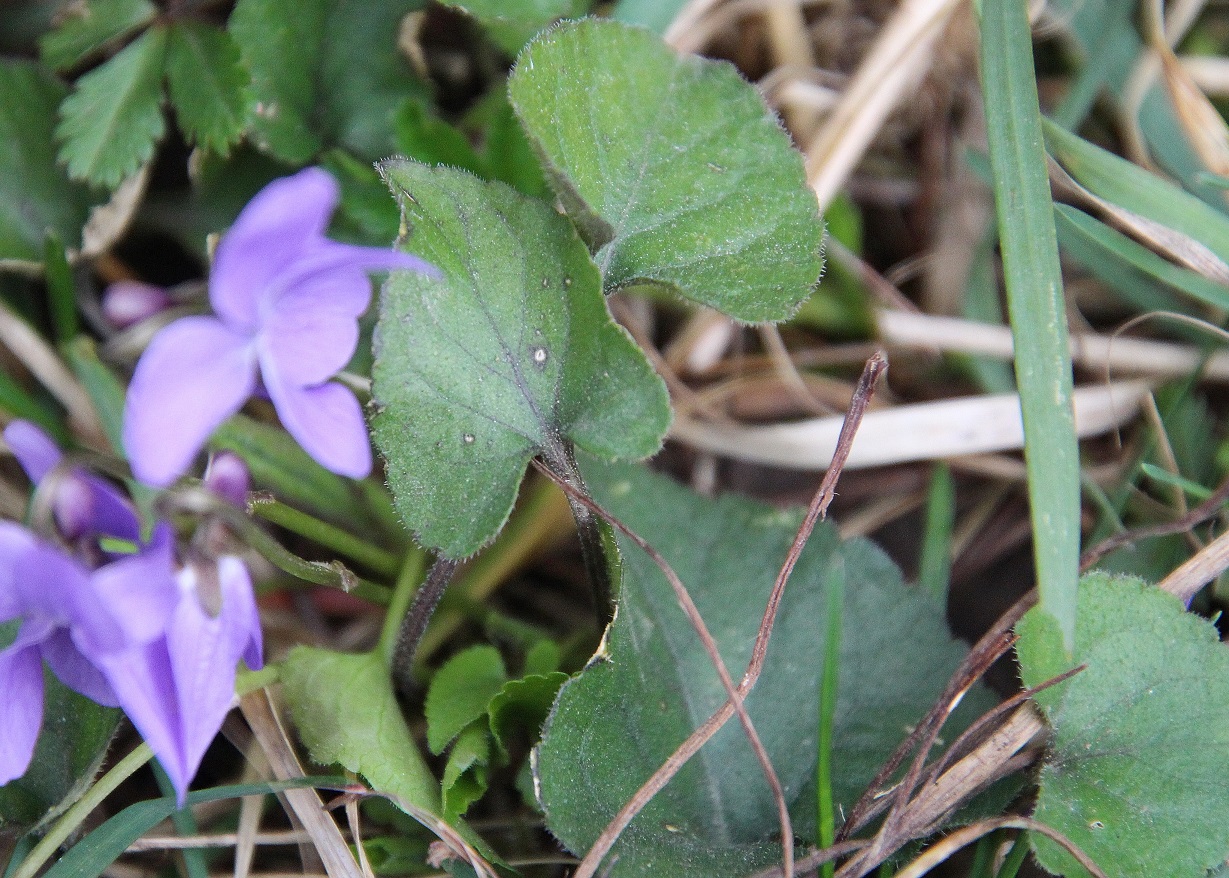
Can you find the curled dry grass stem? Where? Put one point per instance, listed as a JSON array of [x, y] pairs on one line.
[[875, 367], [948, 845]]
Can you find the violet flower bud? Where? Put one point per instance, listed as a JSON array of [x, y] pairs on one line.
[[128, 302]]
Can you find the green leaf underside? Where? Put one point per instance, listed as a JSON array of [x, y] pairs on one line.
[[510, 23], [208, 84], [615, 723], [672, 167], [510, 354], [35, 195], [91, 25], [1135, 771], [346, 713], [109, 125], [460, 692]]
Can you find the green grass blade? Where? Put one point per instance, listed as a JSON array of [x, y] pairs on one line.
[[1035, 303], [935, 566], [827, 710]]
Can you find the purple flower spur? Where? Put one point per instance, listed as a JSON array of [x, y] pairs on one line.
[[287, 301]]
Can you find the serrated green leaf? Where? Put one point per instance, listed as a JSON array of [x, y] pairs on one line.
[[509, 355], [309, 90], [1135, 770], [110, 123], [88, 26], [70, 749], [208, 84], [347, 713], [460, 692], [616, 722], [35, 194], [673, 168], [465, 773], [523, 705]]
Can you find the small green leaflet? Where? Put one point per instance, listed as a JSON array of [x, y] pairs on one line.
[[88, 27], [510, 354], [1135, 771], [672, 167], [109, 125], [208, 85]]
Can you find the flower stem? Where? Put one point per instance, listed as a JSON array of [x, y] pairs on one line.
[[415, 624], [541, 514], [330, 536], [408, 581], [75, 816]]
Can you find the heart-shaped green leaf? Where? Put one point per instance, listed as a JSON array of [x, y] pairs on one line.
[[1135, 771], [615, 723], [673, 168], [510, 353]]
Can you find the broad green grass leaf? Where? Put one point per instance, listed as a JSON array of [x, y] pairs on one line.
[[673, 168], [91, 856], [325, 73], [208, 85], [346, 713], [1130, 267], [87, 27], [70, 748], [1129, 186], [1135, 771], [110, 123], [460, 692], [511, 23], [510, 354], [35, 194], [615, 723], [1035, 303]]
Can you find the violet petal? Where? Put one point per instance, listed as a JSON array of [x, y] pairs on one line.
[[140, 590], [203, 665], [228, 477], [240, 615], [34, 449], [196, 373], [266, 239], [144, 684], [15, 541], [309, 344], [21, 709], [75, 670], [326, 420]]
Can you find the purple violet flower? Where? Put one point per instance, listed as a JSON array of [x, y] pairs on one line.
[[178, 687], [133, 633], [83, 504], [67, 617], [288, 301]]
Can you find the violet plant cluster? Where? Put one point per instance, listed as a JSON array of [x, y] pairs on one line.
[[130, 621]]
